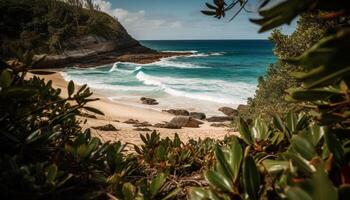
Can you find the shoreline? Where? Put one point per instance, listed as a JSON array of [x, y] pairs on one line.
[[117, 113], [86, 59]]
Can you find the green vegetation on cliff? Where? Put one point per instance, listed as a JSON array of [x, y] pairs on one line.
[[51, 26]]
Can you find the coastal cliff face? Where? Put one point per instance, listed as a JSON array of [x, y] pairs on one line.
[[63, 35], [92, 50]]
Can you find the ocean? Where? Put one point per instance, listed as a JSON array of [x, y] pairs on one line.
[[219, 73]]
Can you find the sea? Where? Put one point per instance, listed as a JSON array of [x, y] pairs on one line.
[[218, 73]]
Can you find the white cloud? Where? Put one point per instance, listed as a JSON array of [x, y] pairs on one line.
[[137, 23]]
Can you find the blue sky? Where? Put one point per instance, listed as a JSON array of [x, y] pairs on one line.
[[180, 19]]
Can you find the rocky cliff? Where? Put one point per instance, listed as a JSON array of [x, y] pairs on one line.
[[63, 35]]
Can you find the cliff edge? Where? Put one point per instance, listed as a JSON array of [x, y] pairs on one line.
[[64, 35]]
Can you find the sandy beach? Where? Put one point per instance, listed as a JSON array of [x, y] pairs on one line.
[[117, 113]]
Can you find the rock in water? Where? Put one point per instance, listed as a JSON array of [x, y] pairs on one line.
[[178, 112], [198, 115], [229, 111], [108, 127], [184, 121], [149, 101], [219, 119]]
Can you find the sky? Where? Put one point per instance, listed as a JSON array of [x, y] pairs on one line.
[[180, 19]]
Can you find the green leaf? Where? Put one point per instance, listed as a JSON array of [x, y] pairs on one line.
[[313, 94], [71, 88], [280, 126], [5, 78], [245, 132], [323, 186], [334, 147], [235, 157], [211, 6], [17, 93], [303, 147], [219, 181], [275, 166], [83, 151], [296, 193], [157, 183], [129, 191], [291, 121], [224, 164], [260, 129], [172, 194], [34, 136], [208, 12], [197, 193], [51, 173], [302, 122], [251, 178], [315, 134], [94, 110], [302, 165]]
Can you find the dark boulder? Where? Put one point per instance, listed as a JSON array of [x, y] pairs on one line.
[[148, 101], [167, 125], [198, 115], [229, 111], [132, 121], [184, 121], [219, 119], [108, 127], [177, 112], [142, 129]]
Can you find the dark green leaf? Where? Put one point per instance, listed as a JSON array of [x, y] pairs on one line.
[[94, 110], [296, 193], [334, 146], [219, 181], [5, 78], [71, 88], [323, 186], [157, 183], [245, 132], [251, 178], [303, 147]]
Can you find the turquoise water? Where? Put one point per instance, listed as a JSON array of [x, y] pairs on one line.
[[219, 72]]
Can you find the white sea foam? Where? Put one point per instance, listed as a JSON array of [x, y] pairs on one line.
[[134, 81], [173, 87], [168, 62], [116, 67], [191, 51]]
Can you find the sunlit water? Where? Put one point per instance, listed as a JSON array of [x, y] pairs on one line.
[[218, 73]]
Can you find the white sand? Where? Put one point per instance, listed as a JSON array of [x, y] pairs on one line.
[[115, 111]]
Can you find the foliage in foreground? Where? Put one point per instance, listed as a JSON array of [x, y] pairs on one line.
[[45, 154]]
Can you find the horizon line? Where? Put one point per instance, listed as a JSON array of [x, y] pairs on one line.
[[196, 39]]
